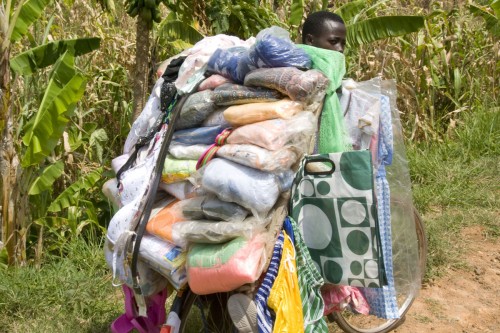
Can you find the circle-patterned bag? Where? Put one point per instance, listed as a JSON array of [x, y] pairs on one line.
[[334, 205]]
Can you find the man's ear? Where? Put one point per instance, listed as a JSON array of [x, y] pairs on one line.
[[309, 39]]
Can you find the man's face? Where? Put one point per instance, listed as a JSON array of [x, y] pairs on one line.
[[332, 37]]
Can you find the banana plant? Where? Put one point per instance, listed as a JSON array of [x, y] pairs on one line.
[[491, 17], [31, 165], [364, 27]]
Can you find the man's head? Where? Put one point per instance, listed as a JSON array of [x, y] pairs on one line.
[[325, 30]]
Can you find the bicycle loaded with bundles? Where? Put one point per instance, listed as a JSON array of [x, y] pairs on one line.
[[222, 196]]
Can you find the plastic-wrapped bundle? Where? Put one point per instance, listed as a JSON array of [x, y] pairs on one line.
[[258, 158], [238, 115], [180, 190], [196, 108], [187, 152], [161, 224], [212, 208], [165, 258], [216, 118], [175, 170], [251, 188], [223, 267], [273, 48], [233, 63], [296, 84], [211, 232], [213, 81], [276, 133], [234, 94], [197, 136]]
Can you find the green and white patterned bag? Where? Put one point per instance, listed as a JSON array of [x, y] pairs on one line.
[[334, 205]]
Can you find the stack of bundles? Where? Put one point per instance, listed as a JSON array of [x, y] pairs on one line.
[[236, 144]]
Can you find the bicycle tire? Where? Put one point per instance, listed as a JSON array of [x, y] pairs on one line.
[[390, 324], [195, 313]]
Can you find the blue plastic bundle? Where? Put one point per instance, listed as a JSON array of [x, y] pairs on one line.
[[273, 48], [197, 136]]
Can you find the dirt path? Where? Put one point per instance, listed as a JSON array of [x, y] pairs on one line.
[[465, 300]]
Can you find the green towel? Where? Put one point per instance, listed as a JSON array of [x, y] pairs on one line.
[[332, 133]]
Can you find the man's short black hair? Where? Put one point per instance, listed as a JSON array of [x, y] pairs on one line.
[[315, 23]]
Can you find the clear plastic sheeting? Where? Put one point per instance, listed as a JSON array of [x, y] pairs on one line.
[[212, 232], [406, 271]]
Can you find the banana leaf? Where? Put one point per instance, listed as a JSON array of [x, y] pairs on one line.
[[370, 30], [45, 55], [42, 132], [69, 196], [31, 11], [492, 21], [47, 178]]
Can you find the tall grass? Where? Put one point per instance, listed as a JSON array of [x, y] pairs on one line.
[[66, 294], [456, 184]]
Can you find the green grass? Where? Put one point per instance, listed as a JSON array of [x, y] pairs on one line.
[[71, 294], [456, 184]]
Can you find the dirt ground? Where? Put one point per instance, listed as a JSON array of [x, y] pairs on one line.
[[466, 300]]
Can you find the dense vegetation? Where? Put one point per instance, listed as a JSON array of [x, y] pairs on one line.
[[447, 76]]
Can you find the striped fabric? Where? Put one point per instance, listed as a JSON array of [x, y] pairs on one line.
[[382, 301], [310, 282], [265, 318]]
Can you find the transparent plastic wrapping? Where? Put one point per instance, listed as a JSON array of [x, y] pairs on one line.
[[187, 152], [407, 275], [166, 258], [211, 208], [195, 110], [394, 167], [273, 48], [197, 136], [175, 170], [180, 190], [193, 68], [216, 118], [212, 232], [161, 224], [362, 113], [236, 94], [224, 267], [296, 84], [251, 188], [258, 158], [232, 63], [277, 133], [245, 114], [213, 81]]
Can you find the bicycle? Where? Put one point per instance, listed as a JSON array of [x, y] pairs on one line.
[[195, 314]]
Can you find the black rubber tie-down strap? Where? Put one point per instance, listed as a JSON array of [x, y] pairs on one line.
[[146, 213]]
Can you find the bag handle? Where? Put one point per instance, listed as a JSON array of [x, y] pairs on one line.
[[328, 163]]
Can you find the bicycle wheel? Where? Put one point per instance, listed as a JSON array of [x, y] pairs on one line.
[[356, 323], [205, 313]]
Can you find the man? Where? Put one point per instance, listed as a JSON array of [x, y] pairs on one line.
[[325, 30]]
